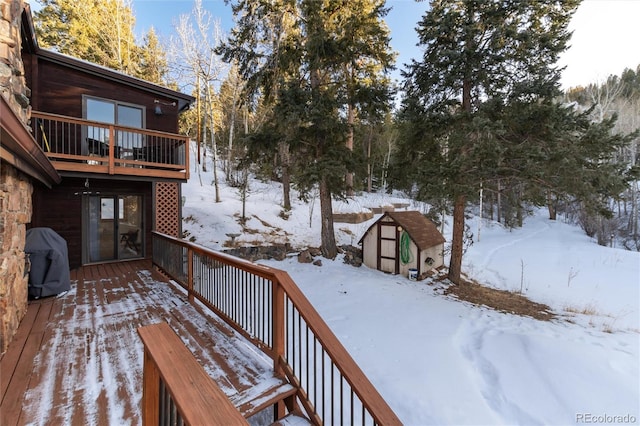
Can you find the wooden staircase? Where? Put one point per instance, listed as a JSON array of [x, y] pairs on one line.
[[293, 419], [315, 377], [171, 370]]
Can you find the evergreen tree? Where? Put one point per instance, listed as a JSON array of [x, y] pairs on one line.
[[262, 43], [98, 31], [617, 96], [313, 60], [479, 56], [153, 65]]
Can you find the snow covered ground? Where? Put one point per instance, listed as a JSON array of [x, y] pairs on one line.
[[440, 361]]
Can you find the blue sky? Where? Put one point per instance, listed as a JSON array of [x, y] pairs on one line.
[[604, 42], [162, 15]]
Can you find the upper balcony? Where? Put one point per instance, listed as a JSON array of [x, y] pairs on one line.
[[81, 146]]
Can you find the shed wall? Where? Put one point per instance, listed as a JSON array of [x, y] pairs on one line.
[[404, 268], [370, 248], [370, 255]]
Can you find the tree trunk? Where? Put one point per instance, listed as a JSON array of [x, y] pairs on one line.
[[551, 205], [457, 240], [455, 264], [214, 146], [283, 149], [369, 166], [232, 125], [328, 248], [198, 118], [204, 141], [349, 143], [499, 203]]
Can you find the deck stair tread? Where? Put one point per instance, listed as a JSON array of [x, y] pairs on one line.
[[295, 418], [266, 394]]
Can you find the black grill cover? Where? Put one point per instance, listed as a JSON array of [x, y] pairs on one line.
[[49, 274]]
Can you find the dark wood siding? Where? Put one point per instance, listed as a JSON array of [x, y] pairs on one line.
[[60, 208], [60, 89]]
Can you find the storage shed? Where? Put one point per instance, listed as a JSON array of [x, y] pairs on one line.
[[402, 241]]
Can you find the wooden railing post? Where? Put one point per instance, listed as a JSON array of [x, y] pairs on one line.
[[150, 391], [196, 397], [112, 144], [186, 157], [278, 318], [278, 325]]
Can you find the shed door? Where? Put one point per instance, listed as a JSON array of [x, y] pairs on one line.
[[388, 248]]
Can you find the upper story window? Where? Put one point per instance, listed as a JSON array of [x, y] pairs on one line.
[[114, 112]]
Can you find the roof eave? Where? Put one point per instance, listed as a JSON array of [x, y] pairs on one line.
[[18, 148], [183, 100]]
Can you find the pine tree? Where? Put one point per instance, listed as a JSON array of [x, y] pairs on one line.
[[478, 57], [99, 31], [153, 65], [313, 60]]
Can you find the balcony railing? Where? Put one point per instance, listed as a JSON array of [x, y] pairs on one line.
[[265, 305], [77, 145]]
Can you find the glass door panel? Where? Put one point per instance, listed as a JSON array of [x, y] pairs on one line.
[[101, 226], [130, 227], [113, 228]]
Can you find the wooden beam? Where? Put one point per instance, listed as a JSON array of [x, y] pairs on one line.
[[197, 397]]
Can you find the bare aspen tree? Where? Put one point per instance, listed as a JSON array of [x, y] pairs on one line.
[[193, 53], [603, 96]]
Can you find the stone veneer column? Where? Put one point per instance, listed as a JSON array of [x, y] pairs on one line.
[[15, 187]]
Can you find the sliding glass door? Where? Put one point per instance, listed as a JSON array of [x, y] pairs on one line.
[[113, 228]]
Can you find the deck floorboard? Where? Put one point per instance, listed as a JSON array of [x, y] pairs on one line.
[[77, 357]]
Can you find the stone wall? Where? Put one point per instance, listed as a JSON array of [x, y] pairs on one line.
[[12, 82], [15, 187], [15, 213]]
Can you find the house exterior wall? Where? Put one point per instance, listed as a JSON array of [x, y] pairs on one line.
[[61, 89], [15, 213], [60, 208], [15, 187]]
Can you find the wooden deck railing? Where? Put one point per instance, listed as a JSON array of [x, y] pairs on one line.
[[77, 145], [265, 305], [176, 389]]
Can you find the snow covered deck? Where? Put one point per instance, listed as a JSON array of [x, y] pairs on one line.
[[77, 358]]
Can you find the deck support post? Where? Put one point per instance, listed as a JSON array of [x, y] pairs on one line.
[[278, 325], [112, 143], [150, 391]]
